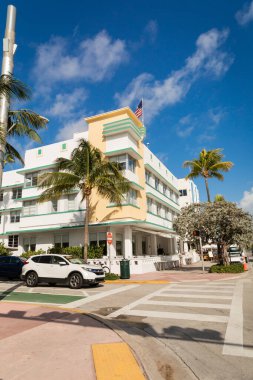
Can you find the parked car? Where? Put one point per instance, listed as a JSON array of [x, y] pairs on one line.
[[11, 266], [236, 254], [54, 269]]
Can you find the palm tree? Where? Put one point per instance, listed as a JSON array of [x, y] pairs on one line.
[[208, 165], [20, 122], [87, 171]]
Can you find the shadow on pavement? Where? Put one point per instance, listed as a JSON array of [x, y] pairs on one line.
[[131, 325]]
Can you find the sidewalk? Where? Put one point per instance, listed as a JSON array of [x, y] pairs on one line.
[[188, 273], [48, 343]]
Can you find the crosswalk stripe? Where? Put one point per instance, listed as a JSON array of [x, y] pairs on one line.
[[182, 316], [175, 290], [189, 304], [207, 296]]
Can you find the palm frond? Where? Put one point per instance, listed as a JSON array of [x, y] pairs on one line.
[[12, 154], [26, 118], [12, 87]]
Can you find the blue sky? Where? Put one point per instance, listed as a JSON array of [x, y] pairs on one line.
[[191, 61]]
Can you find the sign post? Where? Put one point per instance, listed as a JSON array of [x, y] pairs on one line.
[[109, 242]]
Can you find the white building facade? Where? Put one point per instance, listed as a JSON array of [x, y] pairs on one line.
[[189, 192], [142, 228]]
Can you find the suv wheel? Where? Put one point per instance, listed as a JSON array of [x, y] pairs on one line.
[[31, 279], [75, 281]]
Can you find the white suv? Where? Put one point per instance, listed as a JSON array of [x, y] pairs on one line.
[[60, 269]]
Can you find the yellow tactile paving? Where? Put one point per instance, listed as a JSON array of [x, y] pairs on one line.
[[137, 282], [115, 361]]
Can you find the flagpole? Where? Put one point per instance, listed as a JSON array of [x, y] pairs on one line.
[[142, 111]]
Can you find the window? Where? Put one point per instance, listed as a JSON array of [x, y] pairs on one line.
[[15, 260], [61, 241], [102, 241], [131, 164], [15, 216], [5, 260], [17, 193], [29, 208], [131, 197], [150, 204], [31, 179], [39, 152], [54, 205], [0, 218], [183, 193], [147, 176], [36, 259], [93, 239], [45, 259], [164, 189], [119, 244], [57, 260], [29, 244], [1, 196], [71, 201], [157, 183], [159, 208], [121, 160], [13, 241], [64, 146]]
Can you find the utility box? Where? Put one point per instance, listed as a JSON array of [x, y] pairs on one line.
[[124, 269]]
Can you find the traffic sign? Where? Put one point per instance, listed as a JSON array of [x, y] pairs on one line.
[[109, 237]]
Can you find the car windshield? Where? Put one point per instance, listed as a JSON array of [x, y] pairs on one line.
[[76, 260]]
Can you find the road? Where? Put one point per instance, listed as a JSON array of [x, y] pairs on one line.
[[207, 325]]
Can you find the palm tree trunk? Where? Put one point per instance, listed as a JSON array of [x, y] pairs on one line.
[[207, 191], [86, 229]]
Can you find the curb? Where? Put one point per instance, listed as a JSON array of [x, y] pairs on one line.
[[137, 282]]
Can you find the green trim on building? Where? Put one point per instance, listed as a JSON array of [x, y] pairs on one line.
[[10, 209], [12, 186], [161, 200], [28, 198], [119, 151], [123, 205], [122, 125], [155, 171], [58, 228], [136, 184], [132, 222], [52, 213], [26, 170], [162, 193], [158, 216]]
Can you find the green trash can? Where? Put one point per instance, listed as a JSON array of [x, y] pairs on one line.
[[124, 269]]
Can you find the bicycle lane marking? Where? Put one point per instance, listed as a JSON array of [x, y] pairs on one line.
[[99, 296]]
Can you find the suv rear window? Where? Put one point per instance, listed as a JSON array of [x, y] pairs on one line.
[[36, 259], [45, 259], [5, 259]]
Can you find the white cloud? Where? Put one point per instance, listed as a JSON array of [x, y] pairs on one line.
[[66, 105], [70, 128], [245, 15], [185, 126], [208, 59], [95, 59], [246, 202]]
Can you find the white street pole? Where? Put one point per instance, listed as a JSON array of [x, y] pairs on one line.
[[9, 48]]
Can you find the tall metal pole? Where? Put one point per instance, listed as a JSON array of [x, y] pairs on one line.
[[9, 48]]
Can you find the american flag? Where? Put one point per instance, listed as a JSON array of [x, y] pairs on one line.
[[138, 111]]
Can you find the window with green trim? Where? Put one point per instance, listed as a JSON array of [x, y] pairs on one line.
[[39, 152], [64, 146]]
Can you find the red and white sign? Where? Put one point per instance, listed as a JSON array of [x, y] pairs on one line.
[[109, 237]]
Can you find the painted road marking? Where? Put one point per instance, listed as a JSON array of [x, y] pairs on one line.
[[169, 315], [40, 297], [233, 342], [99, 296], [115, 361], [189, 304], [171, 295], [200, 291]]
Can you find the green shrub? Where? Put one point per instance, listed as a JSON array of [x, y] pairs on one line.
[[4, 251], [95, 251], [56, 250], [111, 276], [232, 268], [28, 254], [73, 251]]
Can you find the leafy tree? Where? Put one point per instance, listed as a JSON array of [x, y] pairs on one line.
[[208, 165], [221, 223], [87, 171]]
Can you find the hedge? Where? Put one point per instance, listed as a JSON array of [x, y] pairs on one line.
[[232, 268]]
